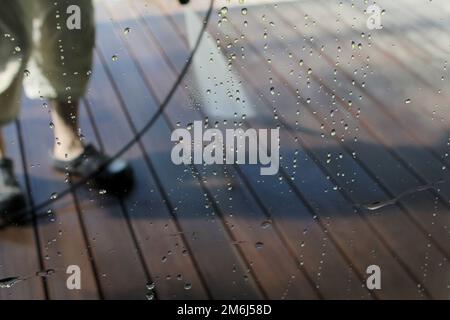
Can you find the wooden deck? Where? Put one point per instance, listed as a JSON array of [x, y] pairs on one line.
[[363, 118]]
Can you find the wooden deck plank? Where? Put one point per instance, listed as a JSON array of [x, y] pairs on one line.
[[324, 75], [62, 240], [328, 150], [156, 237], [258, 77], [431, 129], [121, 272], [427, 123], [192, 217], [329, 280], [388, 177], [432, 136], [18, 244], [207, 232], [255, 75], [322, 154], [157, 234], [428, 169], [430, 61], [244, 213], [416, 24], [397, 61], [238, 204]]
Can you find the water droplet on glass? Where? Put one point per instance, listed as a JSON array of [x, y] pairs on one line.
[[259, 245], [7, 283], [187, 286], [45, 273], [224, 11], [151, 286], [266, 224]]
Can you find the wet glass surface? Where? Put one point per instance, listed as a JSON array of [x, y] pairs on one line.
[[279, 149]]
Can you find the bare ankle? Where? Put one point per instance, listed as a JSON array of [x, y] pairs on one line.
[[68, 151], [67, 145]]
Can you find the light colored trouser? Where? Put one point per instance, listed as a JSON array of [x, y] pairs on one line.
[[38, 49]]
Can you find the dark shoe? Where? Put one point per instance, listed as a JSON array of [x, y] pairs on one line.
[[117, 176], [12, 199]]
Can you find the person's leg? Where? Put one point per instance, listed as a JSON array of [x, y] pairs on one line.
[[67, 145], [60, 68]]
